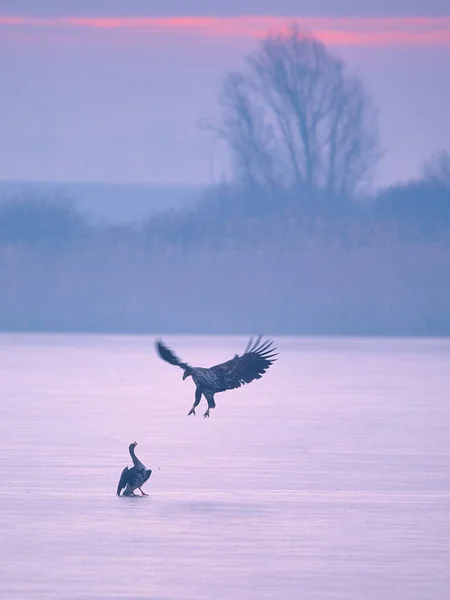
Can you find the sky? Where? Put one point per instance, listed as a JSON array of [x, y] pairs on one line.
[[114, 91]]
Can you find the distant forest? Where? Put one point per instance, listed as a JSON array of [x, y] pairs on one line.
[[290, 244]]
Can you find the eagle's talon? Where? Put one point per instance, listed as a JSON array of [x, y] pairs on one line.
[[206, 414], [191, 412]]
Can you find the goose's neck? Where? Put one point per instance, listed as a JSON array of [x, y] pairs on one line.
[[136, 462]]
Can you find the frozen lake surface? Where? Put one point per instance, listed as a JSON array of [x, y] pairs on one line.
[[327, 479]]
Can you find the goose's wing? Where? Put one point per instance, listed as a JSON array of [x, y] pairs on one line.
[[137, 477], [148, 472], [124, 478]]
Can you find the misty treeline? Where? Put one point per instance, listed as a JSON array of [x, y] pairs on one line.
[[291, 244]]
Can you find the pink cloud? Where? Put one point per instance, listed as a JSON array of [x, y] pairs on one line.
[[339, 31]]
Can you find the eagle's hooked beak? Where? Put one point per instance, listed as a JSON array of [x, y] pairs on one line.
[[185, 374]]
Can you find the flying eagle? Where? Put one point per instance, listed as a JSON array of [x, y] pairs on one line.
[[132, 479], [229, 375]]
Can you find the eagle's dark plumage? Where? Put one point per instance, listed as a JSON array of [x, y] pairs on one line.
[[132, 479], [257, 358]]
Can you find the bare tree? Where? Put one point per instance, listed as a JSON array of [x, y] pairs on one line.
[[295, 119], [246, 132], [436, 170]]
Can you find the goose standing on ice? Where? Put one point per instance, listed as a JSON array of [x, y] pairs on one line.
[[133, 478]]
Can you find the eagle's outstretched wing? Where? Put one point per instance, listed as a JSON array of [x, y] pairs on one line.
[[240, 370], [166, 354]]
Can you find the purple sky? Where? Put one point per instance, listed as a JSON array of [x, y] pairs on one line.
[[85, 103]]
